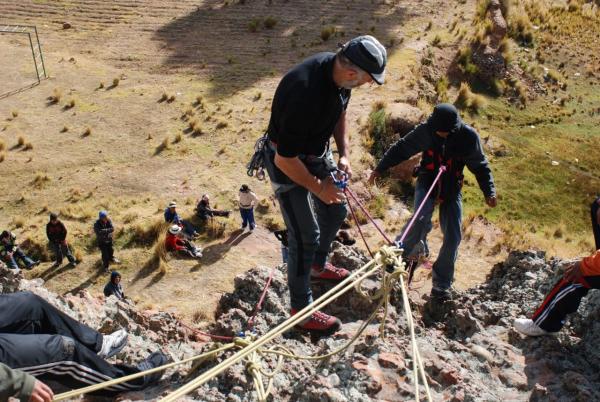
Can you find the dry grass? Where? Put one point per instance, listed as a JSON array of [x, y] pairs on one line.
[[36, 248], [327, 32], [28, 146], [270, 22], [2, 145], [164, 145], [55, 97], [178, 138], [64, 129], [18, 222], [40, 180], [129, 217], [115, 82], [163, 97], [466, 99], [221, 124], [70, 104], [2, 156], [20, 141], [14, 114], [87, 132], [171, 99]]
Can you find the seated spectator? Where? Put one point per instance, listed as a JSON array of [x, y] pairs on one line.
[[171, 216], [176, 244], [23, 386], [10, 252], [38, 339], [57, 236], [204, 211], [113, 287], [564, 298]]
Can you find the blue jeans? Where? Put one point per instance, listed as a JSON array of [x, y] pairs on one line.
[[450, 211], [18, 254], [311, 224], [247, 217], [284, 254]]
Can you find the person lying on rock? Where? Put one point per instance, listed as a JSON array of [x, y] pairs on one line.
[[113, 287], [171, 216], [443, 140], [175, 243], [564, 298], [40, 340], [22, 386], [11, 253], [308, 110], [204, 211]]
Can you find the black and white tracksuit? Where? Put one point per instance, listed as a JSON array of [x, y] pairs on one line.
[[39, 339]]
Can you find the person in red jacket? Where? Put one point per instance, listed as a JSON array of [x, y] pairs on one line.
[[564, 298], [176, 244]]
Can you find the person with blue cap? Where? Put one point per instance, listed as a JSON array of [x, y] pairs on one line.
[[309, 107], [104, 230], [113, 287], [444, 140]]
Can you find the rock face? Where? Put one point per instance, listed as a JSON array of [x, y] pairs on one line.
[[489, 60], [469, 349], [402, 119]]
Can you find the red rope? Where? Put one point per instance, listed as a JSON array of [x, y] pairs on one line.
[[358, 227], [258, 307], [364, 210], [217, 337]]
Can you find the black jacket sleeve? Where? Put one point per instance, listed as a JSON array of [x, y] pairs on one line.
[[418, 140], [478, 164]]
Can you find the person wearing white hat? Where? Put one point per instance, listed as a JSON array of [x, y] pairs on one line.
[[176, 244], [171, 216]]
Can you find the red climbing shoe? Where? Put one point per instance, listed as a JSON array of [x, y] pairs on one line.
[[328, 273], [319, 322]]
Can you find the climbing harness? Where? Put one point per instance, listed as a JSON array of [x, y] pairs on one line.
[[256, 166]]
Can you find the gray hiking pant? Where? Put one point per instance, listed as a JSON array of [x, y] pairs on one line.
[[311, 224]]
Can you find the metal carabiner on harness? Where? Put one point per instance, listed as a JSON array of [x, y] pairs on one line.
[[340, 179]]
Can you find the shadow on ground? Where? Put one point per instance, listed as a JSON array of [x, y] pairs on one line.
[[218, 39]]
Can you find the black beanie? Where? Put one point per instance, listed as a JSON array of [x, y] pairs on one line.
[[444, 118]]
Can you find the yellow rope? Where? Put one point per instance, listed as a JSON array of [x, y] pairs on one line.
[[386, 259], [252, 350], [120, 380]]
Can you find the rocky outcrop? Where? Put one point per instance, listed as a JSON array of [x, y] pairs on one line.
[[488, 58], [402, 119], [469, 348]]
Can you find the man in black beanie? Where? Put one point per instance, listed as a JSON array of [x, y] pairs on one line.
[[444, 140]]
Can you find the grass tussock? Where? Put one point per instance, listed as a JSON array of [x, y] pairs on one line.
[[327, 32], [20, 141], [64, 129], [18, 222], [55, 97], [70, 104], [465, 63], [379, 132], [178, 138], [270, 22], [28, 146], [2, 157], [87, 132], [2, 145], [40, 180], [441, 88], [37, 248], [467, 100], [115, 82], [14, 114]]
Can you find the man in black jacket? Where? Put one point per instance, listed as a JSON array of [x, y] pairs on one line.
[[309, 108], [57, 236], [595, 212], [443, 140], [104, 235]]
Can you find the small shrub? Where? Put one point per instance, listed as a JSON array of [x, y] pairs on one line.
[[254, 24], [465, 62], [327, 32], [40, 180], [270, 22], [87, 132], [178, 138], [55, 97], [171, 99], [20, 141], [14, 113], [257, 96], [101, 85], [222, 124], [163, 97], [115, 82], [70, 104], [441, 87]]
